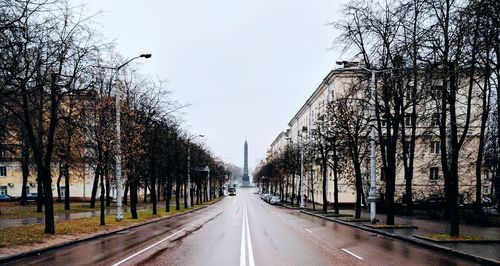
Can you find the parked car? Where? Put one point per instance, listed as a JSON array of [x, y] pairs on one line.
[[487, 202], [275, 200], [4, 198], [266, 197], [31, 196]]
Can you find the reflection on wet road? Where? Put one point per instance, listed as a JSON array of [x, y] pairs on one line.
[[243, 230]]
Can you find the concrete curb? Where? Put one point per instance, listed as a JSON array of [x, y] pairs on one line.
[[418, 242], [290, 207], [96, 236]]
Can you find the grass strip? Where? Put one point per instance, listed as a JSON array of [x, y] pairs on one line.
[[31, 234], [391, 226], [448, 238]]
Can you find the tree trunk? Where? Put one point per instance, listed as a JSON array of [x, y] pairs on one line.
[[146, 185], [168, 193], [49, 202], [25, 164], [285, 198], [324, 168], [58, 184], [103, 214], [153, 194], [107, 180], [313, 191], [177, 193], [133, 198], [40, 196], [125, 194], [359, 189], [484, 121], [66, 183], [185, 193], [335, 182], [95, 185]]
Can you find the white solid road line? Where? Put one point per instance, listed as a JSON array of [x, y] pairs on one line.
[[308, 230], [352, 254], [246, 239], [249, 240], [243, 256], [159, 242]]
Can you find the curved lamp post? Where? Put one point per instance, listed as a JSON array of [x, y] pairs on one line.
[[118, 152]]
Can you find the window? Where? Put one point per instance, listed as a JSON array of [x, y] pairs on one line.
[[486, 190], [27, 188], [3, 190], [408, 96], [435, 147], [383, 172], [63, 191], [436, 92], [434, 174], [3, 171], [408, 147], [383, 123], [407, 119], [435, 120]]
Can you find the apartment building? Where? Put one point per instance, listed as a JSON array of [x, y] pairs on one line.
[[427, 173]]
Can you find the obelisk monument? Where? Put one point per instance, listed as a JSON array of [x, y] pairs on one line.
[[245, 178]]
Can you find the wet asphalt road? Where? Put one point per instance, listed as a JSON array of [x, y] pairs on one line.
[[243, 230]]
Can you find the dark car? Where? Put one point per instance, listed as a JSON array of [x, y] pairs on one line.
[[31, 196], [4, 198]]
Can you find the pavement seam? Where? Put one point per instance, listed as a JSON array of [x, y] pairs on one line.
[[425, 244], [37, 252]]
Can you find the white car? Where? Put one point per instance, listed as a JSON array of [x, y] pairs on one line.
[[275, 200]]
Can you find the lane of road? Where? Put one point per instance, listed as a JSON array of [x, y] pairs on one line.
[[243, 230]]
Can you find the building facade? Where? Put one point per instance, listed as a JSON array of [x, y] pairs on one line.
[[427, 180]]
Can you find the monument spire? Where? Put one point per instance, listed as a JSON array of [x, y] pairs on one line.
[[245, 178]]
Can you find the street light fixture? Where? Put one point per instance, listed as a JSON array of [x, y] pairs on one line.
[[190, 189], [301, 173], [372, 195], [118, 152]]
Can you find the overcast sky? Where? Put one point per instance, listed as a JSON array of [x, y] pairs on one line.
[[246, 67]]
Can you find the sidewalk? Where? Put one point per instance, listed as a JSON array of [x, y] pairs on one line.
[[484, 252]]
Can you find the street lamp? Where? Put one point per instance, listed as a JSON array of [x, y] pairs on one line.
[[372, 195], [189, 196], [301, 173], [118, 152]]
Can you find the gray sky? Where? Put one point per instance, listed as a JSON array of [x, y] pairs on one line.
[[246, 67]]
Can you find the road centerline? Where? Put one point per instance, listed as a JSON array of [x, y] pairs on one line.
[[243, 259], [308, 230], [249, 240]]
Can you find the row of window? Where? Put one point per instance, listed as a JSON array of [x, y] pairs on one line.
[[433, 174], [434, 122], [3, 171], [435, 147]]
